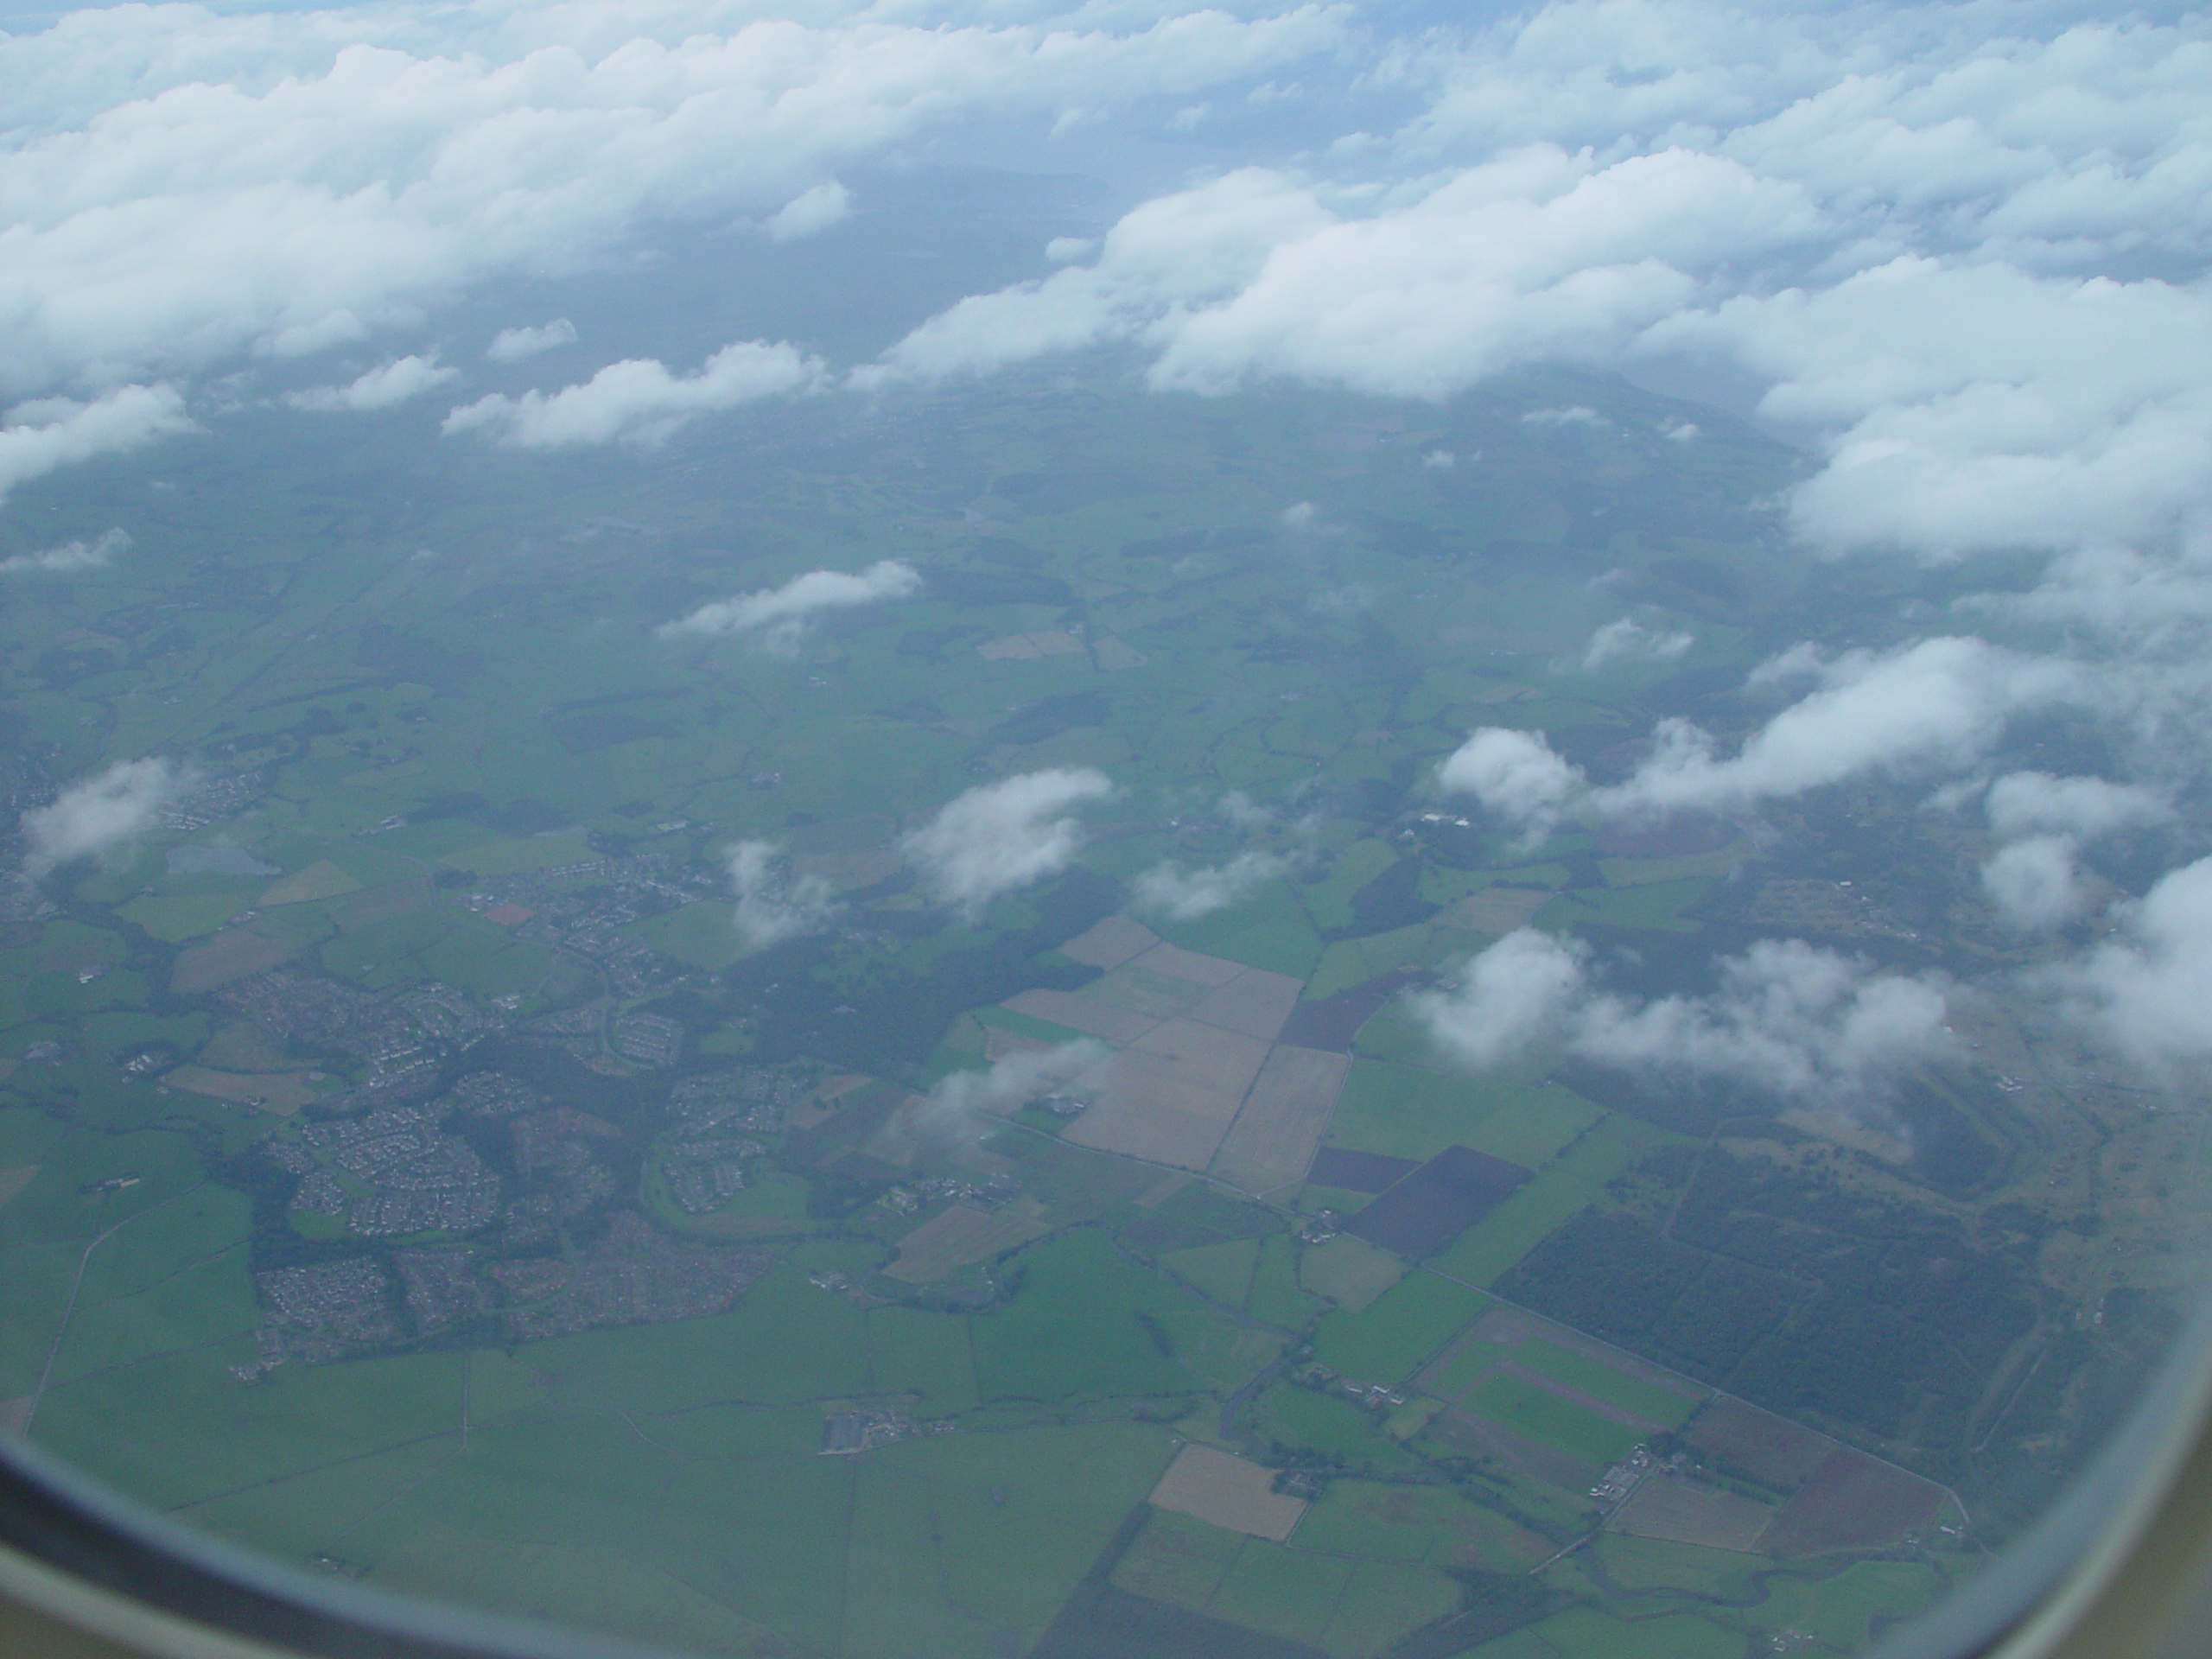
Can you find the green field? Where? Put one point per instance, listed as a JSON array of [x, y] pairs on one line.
[[1602, 1381], [1528, 1409], [1576, 1180], [1388, 1340]]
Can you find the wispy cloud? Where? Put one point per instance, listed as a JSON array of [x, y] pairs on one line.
[[385, 387], [779, 615], [70, 555]]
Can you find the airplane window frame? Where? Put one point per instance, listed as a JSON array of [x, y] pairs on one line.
[[2121, 1564]]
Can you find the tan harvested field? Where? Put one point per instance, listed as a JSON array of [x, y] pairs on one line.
[[1350, 1271], [1111, 943], [1680, 1513], [229, 956], [322, 880], [15, 1414], [1772, 1450], [1141, 991], [1189, 965], [1256, 1003], [13, 1181], [1021, 648], [278, 1093], [1497, 909], [1853, 1502], [1272, 1140], [1206, 1055], [960, 1236], [1082, 1014], [1228, 1491], [1154, 1107]]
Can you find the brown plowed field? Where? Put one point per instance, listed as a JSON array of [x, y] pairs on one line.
[[1772, 1450], [1853, 1501]]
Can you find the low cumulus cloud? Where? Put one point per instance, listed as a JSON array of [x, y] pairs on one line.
[[513, 344], [382, 387], [2148, 988], [1177, 894], [1629, 641], [52, 432], [1788, 1017], [780, 616], [999, 838], [100, 812], [638, 401], [810, 211], [962, 1103], [774, 904], [2033, 880], [70, 555], [1939, 705]]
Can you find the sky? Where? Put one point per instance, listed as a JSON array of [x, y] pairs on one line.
[[1957, 254]]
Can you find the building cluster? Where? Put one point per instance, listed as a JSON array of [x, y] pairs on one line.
[[1375, 1396], [317, 1312], [864, 1429], [651, 1039], [214, 801], [389, 1173], [637, 1276], [589, 923], [1623, 1478]]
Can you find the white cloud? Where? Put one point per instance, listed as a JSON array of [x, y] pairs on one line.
[[638, 401], [782, 613], [512, 345], [1511, 997], [812, 210], [2022, 803], [1788, 1017], [772, 903], [181, 186], [38, 437], [2149, 989], [1061, 249], [1577, 415], [98, 813], [1939, 704], [1441, 460], [1180, 895], [2033, 884], [998, 838], [1629, 640], [70, 555], [391, 383], [1540, 254], [962, 1102], [1514, 774]]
